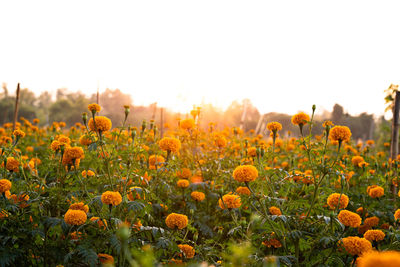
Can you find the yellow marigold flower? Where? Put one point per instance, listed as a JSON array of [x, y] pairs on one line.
[[397, 214], [19, 133], [198, 196], [327, 124], [376, 259], [75, 217], [274, 126], [371, 221], [374, 235], [94, 108], [5, 185], [275, 211], [175, 220], [105, 258], [300, 118], [170, 144], [182, 183], [243, 190], [79, 206], [229, 201], [111, 198], [333, 201], [153, 159], [355, 245], [375, 191], [184, 173], [103, 124], [245, 173], [340, 133], [349, 218], [12, 164], [186, 124], [63, 140], [357, 160], [187, 250]]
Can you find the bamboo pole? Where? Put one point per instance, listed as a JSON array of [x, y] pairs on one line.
[[16, 107], [394, 146]]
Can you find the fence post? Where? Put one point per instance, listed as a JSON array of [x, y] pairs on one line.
[[394, 146]]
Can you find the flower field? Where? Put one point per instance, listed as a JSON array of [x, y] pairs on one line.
[[105, 193]]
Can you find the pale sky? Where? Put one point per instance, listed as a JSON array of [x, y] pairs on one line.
[[282, 55]]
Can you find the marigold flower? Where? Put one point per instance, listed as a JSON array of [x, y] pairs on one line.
[[182, 183], [397, 214], [220, 141], [229, 201], [375, 191], [79, 206], [340, 133], [175, 220], [12, 164], [170, 144], [187, 250], [184, 173], [374, 235], [55, 146], [186, 124], [356, 160], [111, 198], [105, 258], [153, 159], [327, 124], [273, 242], [349, 218], [85, 140], [245, 173], [19, 133], [300, 119], [75, 217], [333, 201], [355, 245], [274, 126], [243, 190], [5, 185], [371, 221], [102, 223], [94, 108], [198, 196], [75, 152], [103, 124], [374, 258], [133, 194], [63, 140], [87, 173], [252, 151], [275, 211]]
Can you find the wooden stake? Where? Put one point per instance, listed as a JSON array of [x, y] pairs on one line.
[[394, 146], [162, 122], [16, 107]]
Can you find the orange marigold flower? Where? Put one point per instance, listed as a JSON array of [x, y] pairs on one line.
[[111, 198], [355, 245], [356, 160], [197, 196], [103, 124], [87, 173], [349, 218], [134, 193], [186, 124], [397, 214], [85, 140], [184, 173], [19, 133], [105, 258], [220, 141], [243, 190], [102, 223], [327, 124], [153, 159], [252, 151], [182, 183], [274, 126], [275, 211], [375, 191], [371, 221], [94, 108], [55, 145], [5, 185], [340, 133], [376, 258], [300, 118], [12, 164], [170, 144], [75, 152], [229, 201], [273, 242], [374, 235], [63, 140], [75, 217], [79, 206], [187, 250], [245, 173], [333, 201], [175, 220]]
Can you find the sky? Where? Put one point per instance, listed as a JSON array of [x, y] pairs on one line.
[[284, 56]]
